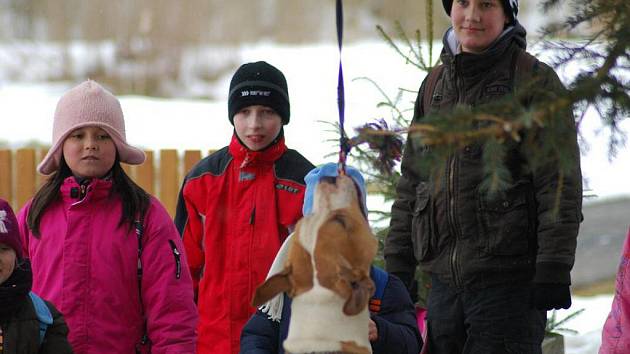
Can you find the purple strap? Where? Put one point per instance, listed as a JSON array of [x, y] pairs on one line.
[[344, 144]]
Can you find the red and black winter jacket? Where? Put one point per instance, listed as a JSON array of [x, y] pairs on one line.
[[235, 209]]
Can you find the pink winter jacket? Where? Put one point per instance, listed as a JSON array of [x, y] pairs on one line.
[[616, 333], [87, 267]]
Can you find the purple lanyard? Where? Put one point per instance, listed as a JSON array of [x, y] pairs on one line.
[[344, 143]]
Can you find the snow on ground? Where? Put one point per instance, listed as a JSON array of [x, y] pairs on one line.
[[311, 71], [588, 324]]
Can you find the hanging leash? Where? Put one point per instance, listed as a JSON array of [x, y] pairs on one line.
[[344, 142], [377, 134]]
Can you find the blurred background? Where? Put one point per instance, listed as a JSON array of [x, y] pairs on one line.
[[180, 48]]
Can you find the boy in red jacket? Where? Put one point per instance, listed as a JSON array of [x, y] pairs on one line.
[[238, 205]]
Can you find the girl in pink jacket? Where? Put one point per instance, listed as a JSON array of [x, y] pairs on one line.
[[103, 251], [616, 333]]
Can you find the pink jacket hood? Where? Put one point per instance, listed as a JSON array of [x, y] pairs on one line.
[[87, 267]]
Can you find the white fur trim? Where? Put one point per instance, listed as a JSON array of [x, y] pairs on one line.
[[273, 307]]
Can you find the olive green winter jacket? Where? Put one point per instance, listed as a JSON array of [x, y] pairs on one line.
[[443, 220]]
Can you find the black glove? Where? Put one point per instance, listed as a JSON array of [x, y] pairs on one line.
[[551, 296]]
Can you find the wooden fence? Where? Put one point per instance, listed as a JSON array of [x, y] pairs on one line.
[[161, 174]]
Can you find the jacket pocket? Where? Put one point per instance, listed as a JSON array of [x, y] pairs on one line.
[[421, 229], [504, 225]]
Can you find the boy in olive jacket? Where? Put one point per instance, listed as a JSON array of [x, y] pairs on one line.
[[497, 262]]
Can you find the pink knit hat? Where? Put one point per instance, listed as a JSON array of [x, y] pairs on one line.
[[89, 104], [9, 232]]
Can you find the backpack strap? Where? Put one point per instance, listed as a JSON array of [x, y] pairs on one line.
[[432, 80], [380, 278], [44, 316]]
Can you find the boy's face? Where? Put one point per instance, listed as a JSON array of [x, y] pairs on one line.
[[7, 262], [257, 126], [477, 23], [89, 152]]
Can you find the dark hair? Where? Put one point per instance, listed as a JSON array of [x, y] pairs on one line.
[[135, 200]]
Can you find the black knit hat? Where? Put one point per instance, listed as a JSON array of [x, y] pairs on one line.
[[510, 7], [259, 83]]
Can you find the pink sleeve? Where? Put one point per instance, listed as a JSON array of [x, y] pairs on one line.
[[167, 292], [616, 332], [23, 227]]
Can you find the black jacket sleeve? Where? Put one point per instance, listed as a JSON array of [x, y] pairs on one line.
[[396, 322], [260, 335], [557, 182], [56, 339]]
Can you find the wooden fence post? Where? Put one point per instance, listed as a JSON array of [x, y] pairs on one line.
[[191, 157], [145, 173], [169, 179], [128, 169], [25, 175], [41, 179], [19, 179], [6, 178]]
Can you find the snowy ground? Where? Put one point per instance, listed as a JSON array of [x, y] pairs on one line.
[[27, 110], [588, 324]]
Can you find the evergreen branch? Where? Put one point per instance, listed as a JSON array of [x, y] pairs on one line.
[[496, 175], [618, 49], [417, 54], [499, 128], [553, 326], [395, 47], [382, 140], [391, 104]]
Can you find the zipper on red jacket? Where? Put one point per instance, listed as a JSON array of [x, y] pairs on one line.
[[252, 217], [250, 250], [178, 263]]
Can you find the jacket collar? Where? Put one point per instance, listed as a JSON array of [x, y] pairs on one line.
[[72, 191], [245, 157], [471, 64]]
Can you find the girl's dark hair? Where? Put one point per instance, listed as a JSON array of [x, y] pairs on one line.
[[135, 200]]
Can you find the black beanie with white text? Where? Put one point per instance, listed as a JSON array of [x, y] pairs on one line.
[[259, 83]]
